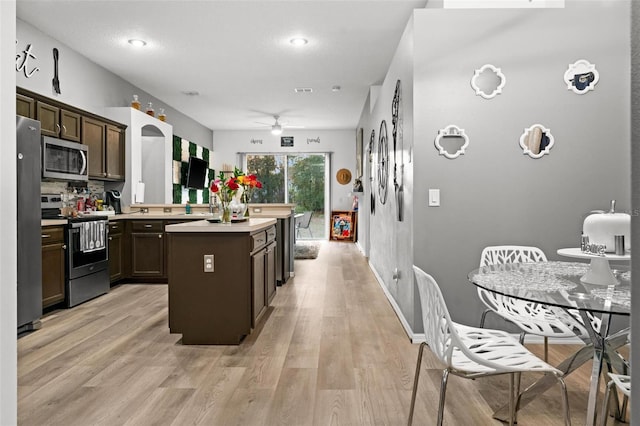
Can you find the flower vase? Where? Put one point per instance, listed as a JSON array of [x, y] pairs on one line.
[[245, 200], [226, 213]]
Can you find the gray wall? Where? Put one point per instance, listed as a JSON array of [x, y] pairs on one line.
[[635, 219], [8, 228], [494, 194], [88, 86], [391, 241]]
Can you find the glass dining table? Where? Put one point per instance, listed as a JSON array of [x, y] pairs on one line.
[[558, 285]]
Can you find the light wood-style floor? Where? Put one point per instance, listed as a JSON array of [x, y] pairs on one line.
[[330, 352]]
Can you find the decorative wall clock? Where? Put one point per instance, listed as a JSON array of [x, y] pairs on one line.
[[372, 144], [398, 166], [383, 162]]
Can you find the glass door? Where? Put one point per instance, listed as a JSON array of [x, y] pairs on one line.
[[299, 179]]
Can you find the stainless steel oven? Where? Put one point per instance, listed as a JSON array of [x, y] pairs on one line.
[[64, 160], [87, 259]]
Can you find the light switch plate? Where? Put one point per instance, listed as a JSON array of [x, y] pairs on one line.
[[434, 198]]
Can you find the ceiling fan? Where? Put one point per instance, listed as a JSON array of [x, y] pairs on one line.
[[278, 126]]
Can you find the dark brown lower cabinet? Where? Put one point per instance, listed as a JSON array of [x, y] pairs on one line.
[[53, 255], [222, 306], [147, 249], [116, 251]]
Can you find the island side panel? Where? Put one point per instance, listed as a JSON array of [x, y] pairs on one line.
[[210, 307]]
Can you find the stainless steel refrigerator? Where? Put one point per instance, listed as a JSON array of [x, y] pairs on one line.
[[29, 214]]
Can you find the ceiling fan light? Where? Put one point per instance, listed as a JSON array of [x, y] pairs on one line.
[[276, 129]]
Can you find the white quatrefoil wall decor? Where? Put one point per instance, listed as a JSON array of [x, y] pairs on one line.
[[488, 81], [581, 77], [451, 141]]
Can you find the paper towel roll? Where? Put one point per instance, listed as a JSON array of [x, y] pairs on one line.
[[139, 192]]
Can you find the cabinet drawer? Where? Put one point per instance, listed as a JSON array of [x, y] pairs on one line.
[[271, 234], [52, 235], [146, 226], [116, 228], [258, 240]]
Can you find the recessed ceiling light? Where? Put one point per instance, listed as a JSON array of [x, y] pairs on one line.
[[137, 42], [298, 41], [336, 88]]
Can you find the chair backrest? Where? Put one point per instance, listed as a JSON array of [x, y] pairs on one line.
[[438, 329], [305, 219], [494, 255]]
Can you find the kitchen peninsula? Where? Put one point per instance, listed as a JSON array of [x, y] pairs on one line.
[[221, 278]]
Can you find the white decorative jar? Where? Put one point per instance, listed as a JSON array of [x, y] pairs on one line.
[[601, 228]]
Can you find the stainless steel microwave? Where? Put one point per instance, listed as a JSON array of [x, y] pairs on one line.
[[64, 160]]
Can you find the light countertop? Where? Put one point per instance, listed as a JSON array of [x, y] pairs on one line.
[[252, 225]]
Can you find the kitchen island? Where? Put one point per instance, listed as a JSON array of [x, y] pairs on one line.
[[221, 278]]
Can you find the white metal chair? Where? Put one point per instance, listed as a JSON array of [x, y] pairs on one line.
[[623, 384], [471, 352], [303, 222], [532, 318]]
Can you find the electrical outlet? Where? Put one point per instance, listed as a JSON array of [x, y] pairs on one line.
[[257, 210], [144, 210], [208, 263], [167, 209]]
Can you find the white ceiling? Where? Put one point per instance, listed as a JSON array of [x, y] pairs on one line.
[[237, 54]]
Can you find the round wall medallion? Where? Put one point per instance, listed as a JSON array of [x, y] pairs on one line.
[[343, 176]]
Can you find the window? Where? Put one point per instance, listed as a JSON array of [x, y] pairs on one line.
[[298, 179]]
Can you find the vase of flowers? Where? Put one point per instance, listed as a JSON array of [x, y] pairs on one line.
[[248, 183], [226, 190]]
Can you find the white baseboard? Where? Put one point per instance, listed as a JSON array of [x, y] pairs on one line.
[[419, 337], [396, 308]]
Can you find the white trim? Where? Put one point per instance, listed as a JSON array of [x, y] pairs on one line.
[[396, 308]]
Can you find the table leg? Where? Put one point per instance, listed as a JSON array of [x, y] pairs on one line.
[[607, 349], [547, 381]]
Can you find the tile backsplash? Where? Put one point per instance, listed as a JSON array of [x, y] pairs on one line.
[[57, 187]]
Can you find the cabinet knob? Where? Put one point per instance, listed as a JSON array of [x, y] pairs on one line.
[[46, 236], [64, 129], [57, 128], [110, 238], [147, 226], [104, 174], [159, 235], [64, 247]]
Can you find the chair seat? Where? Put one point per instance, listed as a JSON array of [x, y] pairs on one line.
[[500, 351], [622, 382]]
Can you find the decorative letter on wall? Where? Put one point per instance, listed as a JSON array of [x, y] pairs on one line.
[[581, 76], [536, 141], [451, 141], [488, 81]]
